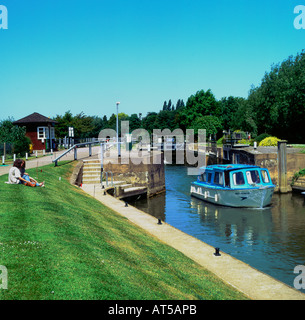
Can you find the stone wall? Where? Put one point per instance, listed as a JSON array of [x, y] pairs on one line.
[[295, 162], [149, 173]]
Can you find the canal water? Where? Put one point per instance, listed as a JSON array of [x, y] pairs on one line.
[[271, 240]]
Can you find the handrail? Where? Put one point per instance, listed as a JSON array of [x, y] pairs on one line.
[[75, 153], [106, 174]]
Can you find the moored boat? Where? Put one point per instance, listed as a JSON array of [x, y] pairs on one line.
[[234, 185]]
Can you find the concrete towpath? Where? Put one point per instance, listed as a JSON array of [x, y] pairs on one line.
[[82, 153], [253, 283]]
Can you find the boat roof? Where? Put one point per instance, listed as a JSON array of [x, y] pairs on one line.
[[229, 167]]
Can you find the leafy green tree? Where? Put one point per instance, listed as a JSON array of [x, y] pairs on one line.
[[180, 104], [112, 121], [134, 122], [63, 123], [83, 125], [211, 124], [203, 103], [15, 135], [279, 102], [148, 122], [229, 107], [164, 120]]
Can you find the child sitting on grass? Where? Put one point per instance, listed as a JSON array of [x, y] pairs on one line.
[[17, 175]]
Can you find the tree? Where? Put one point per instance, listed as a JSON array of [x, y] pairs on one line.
[[149, 121], [203, 103], [14, 135], [83, 125], [278, 103], [211, 124], [180, 104], [112, 121], [63, 123], [229, 107], [134, 122]]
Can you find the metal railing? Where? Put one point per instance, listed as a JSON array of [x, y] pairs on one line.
[[106, 173], [75, 151]]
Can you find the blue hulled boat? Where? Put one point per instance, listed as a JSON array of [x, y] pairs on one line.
[[234, 185]]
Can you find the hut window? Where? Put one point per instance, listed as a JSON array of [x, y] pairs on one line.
[[52, 133], [41, 133]]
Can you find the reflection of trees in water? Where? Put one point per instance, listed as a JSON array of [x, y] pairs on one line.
[[154, 206]]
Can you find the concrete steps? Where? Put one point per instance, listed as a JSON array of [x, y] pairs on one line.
[[299, 184], [92, 176], [92, 172]]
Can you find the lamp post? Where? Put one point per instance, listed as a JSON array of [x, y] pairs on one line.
[[117, 128]]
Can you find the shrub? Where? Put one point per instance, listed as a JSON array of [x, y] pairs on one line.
[[262, 137], [296, 176], [269, 142], [22, 146], [243, 141]]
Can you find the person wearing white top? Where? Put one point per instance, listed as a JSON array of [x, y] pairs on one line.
[[14, 176]]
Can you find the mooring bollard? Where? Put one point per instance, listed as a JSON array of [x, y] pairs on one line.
[[3, 160], [159, 221], [217, 254], [14, 157], [126, 204], [26, 156]]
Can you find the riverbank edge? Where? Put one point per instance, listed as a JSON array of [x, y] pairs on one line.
[[246, 279]]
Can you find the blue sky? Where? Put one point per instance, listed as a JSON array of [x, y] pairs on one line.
[[87, 55]]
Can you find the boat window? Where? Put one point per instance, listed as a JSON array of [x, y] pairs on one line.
[[253, 177], [202, 177], [218, 178], [209, 177], [265, 176], [238, 178], [227, 179]]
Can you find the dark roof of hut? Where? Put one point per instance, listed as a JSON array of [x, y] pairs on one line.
[[34, 118]]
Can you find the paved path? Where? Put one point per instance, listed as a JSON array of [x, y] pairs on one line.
[[82, 153], [253, 283]]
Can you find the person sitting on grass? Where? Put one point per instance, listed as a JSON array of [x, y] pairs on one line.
[[26, 176], [15, 177]]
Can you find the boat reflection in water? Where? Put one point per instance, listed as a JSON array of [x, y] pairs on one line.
[[235, 226]]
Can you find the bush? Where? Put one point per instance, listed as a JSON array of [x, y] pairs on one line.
[[262, 137], [296, 176], [22, 146], [269, 142]]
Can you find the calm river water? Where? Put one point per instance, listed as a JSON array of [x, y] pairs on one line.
[[271, 240]]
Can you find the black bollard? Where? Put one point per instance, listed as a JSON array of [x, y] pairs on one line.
[[159, 221], [126, 204], [217, 254], [104, 193]]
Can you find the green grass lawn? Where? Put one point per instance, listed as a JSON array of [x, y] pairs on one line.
[[59, 243]]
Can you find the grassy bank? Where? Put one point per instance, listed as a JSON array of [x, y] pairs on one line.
[[59, 243]]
